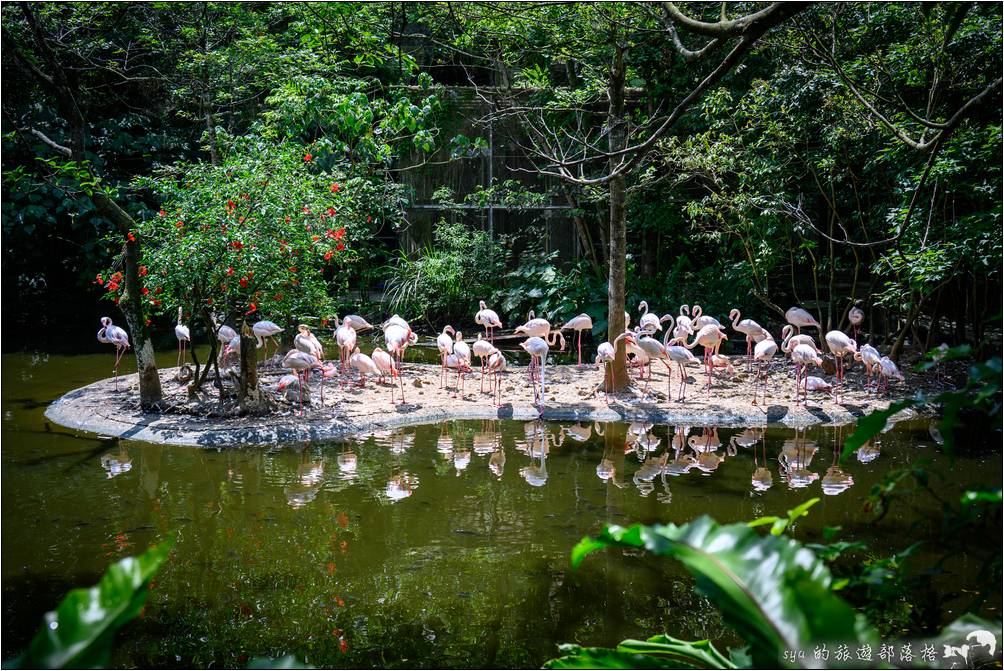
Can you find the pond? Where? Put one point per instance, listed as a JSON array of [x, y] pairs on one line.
[[434, 546]]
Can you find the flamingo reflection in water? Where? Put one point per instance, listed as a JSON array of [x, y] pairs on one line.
[[537, 441], [116, 464], [400, 486], [836, 480], [762, 480], [496, 463], [647, 472], [347, 464], [796, 456], [310, 479]]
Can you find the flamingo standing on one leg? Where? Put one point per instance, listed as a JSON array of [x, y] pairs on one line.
[[483, 350], [489, 319], [840, 344], [800, 318], [385, 362], [109, 333], [444, 343], [763, 353], [871, 358], [802, 356], [579, 324], [397, 338], [750, 329], [266, 330], [183, 335]]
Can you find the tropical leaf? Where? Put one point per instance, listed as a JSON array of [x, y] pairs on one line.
[[871, 425], [773, 591], [79, 633], [577, 657]]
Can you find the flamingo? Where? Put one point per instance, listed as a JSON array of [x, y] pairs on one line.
[[888, 369], [813, 383], [463, 352], [398, 338], [789, 340], [483, 350], [640, 358], [301, 362], [537, 348], [535, 326], [114, 335], [183, 335], [266, 330], [357, 323], [289, 386], [657, 350], [444, 343], [681, 356], [710, 337], [856, 316], [803, 355], [800, 318], [395, 321], [385, 362], [649, 320], [487, 318], [763, 353], [579, 324], [683, 321], [605, 354], [456, 362], [496, 364], [750, 329], [364, 364], [224, 334], [346, 338], [840, 344], [701, 320], [306, 342], [871, 358]]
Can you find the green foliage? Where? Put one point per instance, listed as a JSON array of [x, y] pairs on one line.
[[773, 591], [446, 278], [657, 652], [284, 662], [80, 632], [778, 525]]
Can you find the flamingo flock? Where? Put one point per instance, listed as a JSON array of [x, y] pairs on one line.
[[690, 328]]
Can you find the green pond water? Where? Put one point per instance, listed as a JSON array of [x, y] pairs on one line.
[[435, 546]]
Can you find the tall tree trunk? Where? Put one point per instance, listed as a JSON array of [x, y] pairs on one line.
[[250, 396], [131, 304], [618, 224]]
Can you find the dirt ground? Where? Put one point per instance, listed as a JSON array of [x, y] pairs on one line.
[[571, 393]]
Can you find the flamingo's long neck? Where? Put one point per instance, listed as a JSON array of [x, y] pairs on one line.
[[735, 320]]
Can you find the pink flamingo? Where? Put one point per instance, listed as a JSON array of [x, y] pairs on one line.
[[460, 364], [710, 337], [364, 364], [657, 350], [463, 353], [301, 362], [346, 338], [649, 320], [266, 330], [887, 369], [750, 329], [762, 354], [496, 364], [856, 316], [109, 333], [800, 318], [871, 358], [840, 344], [483, 350], [789, 340], [802, 356], [385, 362], [579, 324], [489, 319], [537, 348], [183, 335], [306, 342], [444, 343], [397, 338], [681, 356], [605, 354]]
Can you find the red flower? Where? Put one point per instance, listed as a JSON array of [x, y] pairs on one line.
[[335, 187], [179, 223], [240, 220], [244, 282], [99, 280], [277, 297], [251, 308], [315, 238], [307, 157], [144, 291], [113, 286], [237, 244], [306, 210], [245, 196], [156, 301], [340, 233], [230, 271], [292, 269], [369, 219], [209, 301], [131, 237], [142, 271], [342, 645], [327, 255], [332, 212], [329, 234], [162, 213], [149, 321], [230, 206], [223, 288], [287, 218], [341, 246], [324, 322], [159, 289]]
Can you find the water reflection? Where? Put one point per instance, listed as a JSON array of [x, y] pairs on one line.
[[401, 486], [117, 463], [795, 458]]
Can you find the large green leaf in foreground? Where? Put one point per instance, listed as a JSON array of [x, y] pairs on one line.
[[773, 591], [79, 633]]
